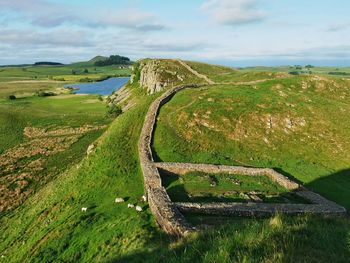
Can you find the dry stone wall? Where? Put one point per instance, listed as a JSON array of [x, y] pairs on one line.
[[258, 209], [164, 210], [182, 168]]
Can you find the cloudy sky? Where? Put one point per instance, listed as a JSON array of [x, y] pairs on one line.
[[233, 32]]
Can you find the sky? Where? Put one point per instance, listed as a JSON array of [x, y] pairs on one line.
[[230, 32]]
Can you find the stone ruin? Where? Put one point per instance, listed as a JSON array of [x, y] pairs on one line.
[[169, 215]]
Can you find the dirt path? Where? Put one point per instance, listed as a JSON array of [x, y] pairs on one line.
[[199, 75]]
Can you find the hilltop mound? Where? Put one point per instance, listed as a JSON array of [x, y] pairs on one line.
[[97, 58]]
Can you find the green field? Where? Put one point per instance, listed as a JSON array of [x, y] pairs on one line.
[[67, 125], [50, 226], [76, 72], [342, 72]]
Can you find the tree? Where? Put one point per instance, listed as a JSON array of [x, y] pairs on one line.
[[86, 70], [12, 97]]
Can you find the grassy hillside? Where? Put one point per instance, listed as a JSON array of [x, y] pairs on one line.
[[41, 137], [50, 226], [298, 125]]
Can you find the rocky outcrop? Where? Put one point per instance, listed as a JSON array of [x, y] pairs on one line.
[[156, 75], [151, 77], [122, 97]]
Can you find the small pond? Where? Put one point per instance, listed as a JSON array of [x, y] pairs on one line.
[[105, 87]]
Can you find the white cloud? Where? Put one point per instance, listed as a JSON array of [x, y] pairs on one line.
[[47, 14], [233, 12]]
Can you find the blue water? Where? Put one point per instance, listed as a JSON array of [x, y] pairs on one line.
[[105, 87]]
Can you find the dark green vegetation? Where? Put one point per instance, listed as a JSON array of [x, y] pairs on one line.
[[50, 227], [202, 187], [43, 63], [113, 60]]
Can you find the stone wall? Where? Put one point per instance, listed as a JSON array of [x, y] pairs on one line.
[[319, 204], [164, 210], [258, 209], [182, 168]]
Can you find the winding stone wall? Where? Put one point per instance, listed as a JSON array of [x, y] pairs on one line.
[[164, 210]]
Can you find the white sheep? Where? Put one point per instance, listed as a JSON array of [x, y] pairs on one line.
[[131, 206], [83, 209], [138, 208], [144, 198], [119, 200]]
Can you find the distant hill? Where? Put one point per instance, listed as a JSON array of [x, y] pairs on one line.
[[97, 59], [100, 61]]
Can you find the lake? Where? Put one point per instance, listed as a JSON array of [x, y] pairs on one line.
[[105, 87]]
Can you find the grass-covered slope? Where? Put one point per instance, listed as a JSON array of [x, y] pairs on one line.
[[41, 137], [51, 227], [299, 125]]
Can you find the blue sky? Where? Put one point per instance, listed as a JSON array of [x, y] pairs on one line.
[[232, 32]]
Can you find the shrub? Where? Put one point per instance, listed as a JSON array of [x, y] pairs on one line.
[[294, 73], [12, 97], [114, 110], [45, 93]]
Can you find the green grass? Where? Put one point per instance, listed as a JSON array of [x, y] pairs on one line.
[[229, 125], [63, 110], [50, 227], [202, 187], [50, 114]]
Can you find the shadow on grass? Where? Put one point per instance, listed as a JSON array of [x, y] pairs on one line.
[[281, 239], [335, 187]]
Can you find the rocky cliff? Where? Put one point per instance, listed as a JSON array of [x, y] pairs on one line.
[[155, 74]]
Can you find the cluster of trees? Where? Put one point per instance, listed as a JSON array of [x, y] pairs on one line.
[[113, 60], [339, 73], [45, 63]]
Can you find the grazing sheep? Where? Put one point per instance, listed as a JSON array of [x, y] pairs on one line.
[[144, 198], [83, 209], [138, 208], [131, 206], [119, 200]]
